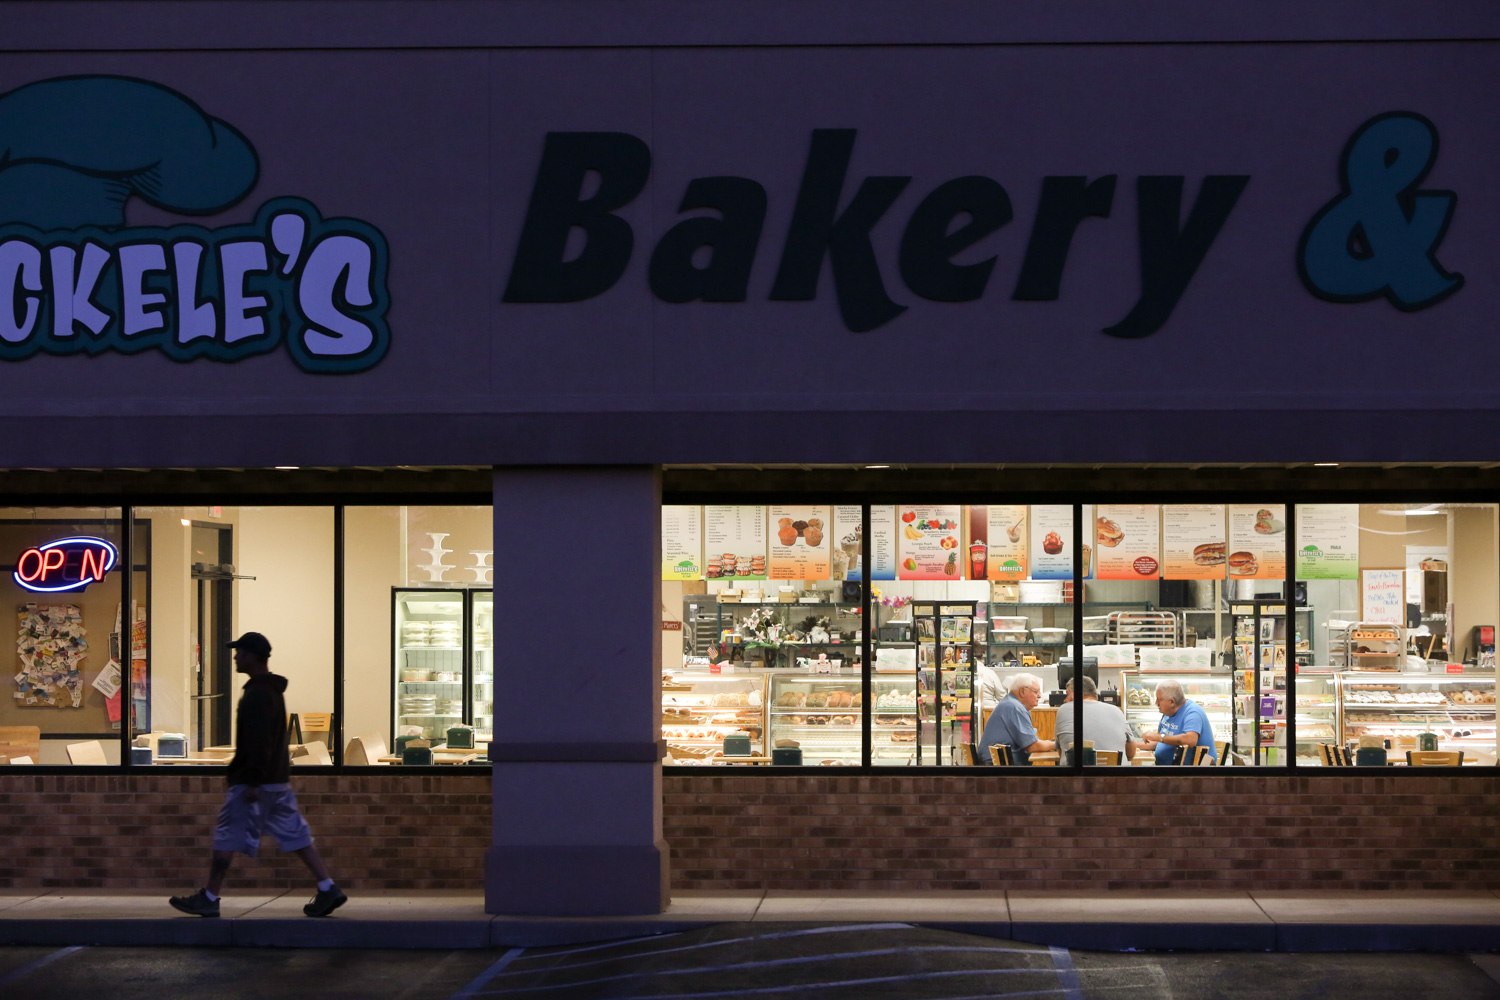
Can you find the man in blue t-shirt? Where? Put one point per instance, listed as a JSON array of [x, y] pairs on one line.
[[1183, 724], [1010, 722]]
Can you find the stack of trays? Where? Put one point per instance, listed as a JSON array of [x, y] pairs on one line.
[[443, 634], [415, 633], [418, 704]]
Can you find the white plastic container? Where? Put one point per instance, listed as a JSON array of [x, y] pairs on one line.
[[1050, 635], [1003, 623]]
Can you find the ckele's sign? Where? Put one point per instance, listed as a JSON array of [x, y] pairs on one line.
[[1377, 237]]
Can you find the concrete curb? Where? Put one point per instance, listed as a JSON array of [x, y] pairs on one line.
[[515, 932]]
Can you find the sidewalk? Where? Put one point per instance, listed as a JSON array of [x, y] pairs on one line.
[[1228, 921]]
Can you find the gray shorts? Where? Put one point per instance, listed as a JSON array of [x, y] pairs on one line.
[[242, 824]]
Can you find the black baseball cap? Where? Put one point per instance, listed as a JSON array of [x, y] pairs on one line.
[[253, 642]]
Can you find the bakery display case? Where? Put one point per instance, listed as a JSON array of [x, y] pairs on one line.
[[893, 723], [440, 677], [1458, 708], [1211, 691], [1317, 713], [699, 709], [819, 713]]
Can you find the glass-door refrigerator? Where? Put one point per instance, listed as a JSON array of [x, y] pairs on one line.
[[442, 661]]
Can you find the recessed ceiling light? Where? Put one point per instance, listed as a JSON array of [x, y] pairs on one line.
[[1326, 465], [288, 467], [186, 523], [877, 466]]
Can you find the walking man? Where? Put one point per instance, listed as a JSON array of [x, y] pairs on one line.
[[260, 799]]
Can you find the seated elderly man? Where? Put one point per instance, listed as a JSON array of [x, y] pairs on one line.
[[1184, 723], [1103, 725], [1010, 723]]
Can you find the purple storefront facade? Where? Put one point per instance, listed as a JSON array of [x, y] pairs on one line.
[[1054, 249]]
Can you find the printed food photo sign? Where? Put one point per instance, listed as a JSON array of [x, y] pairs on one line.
[[1129, 541], [1257, 541], [1052, 541], [931, 542], [801, 543], [734, 543], [997, 542], [1192, 541]]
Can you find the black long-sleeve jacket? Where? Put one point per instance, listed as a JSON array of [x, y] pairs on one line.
[[260, 750]]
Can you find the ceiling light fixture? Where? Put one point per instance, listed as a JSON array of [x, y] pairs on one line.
[[877, 466], [1325, 465], [292, 467]]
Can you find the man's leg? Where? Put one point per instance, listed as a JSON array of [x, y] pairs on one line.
[[311, 858], [217, 870]]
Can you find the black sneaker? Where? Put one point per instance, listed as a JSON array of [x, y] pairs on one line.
[[325, 902], [198, 904]]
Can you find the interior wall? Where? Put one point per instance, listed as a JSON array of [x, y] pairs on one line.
[[468, 530], [289, 551], [1473, 573], [372, 566], [98, 603]]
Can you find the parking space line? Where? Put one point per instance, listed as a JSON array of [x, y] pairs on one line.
[[1067, 975], [798, 987], [837, 928], [488, 974], [773, 963], [40, 963], [809, 958]]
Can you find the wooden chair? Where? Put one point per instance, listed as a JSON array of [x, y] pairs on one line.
[[1221, 747], [1190, 756], [17, 742], [1434, 758], [965, 755], [1325, 755], [312, 753], [304, 727], [1000, 755], [366, 750], [1110, 758], [90, 753]]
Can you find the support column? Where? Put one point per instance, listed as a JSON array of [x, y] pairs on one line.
[[577, 782]]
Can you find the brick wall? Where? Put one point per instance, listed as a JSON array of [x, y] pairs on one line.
[[1129, 831], [155, 831]]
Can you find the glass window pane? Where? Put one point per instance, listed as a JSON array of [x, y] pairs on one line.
[[418, 636], [216, 573], [66, 591], [1409, 639]]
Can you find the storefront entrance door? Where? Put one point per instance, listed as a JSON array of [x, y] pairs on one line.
[[213, 608]]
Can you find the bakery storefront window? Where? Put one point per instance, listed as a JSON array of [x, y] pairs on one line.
[[419, 609], [1197, 642], [1407, 603], [63, 584], [214, 573]]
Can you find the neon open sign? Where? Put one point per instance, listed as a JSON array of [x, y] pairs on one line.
[[65, 564]]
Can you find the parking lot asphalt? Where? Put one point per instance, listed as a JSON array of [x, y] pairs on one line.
[[760, 961]]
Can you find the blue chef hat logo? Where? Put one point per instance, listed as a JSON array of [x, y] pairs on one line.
[[74, 150], [74, 278]]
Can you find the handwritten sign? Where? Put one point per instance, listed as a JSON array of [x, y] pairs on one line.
[[1383, 596]]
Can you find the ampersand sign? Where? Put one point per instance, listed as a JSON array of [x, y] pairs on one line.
[[1380, 236]]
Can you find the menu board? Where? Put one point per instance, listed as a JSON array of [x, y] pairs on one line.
[[930, 542], [848, 542], [1328, 541], [734, 543], [1257, 541], [801, 542], [1052, 541], [1192, 541], [1382, 595], [681, 542], [1129, 541], [997, 542]]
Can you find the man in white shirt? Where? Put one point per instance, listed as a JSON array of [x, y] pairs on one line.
[[1103, 725]]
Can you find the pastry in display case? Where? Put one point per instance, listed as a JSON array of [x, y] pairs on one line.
[[893, 722], [818, 713], [1317, 713], [699, 709], [1458, 709]]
